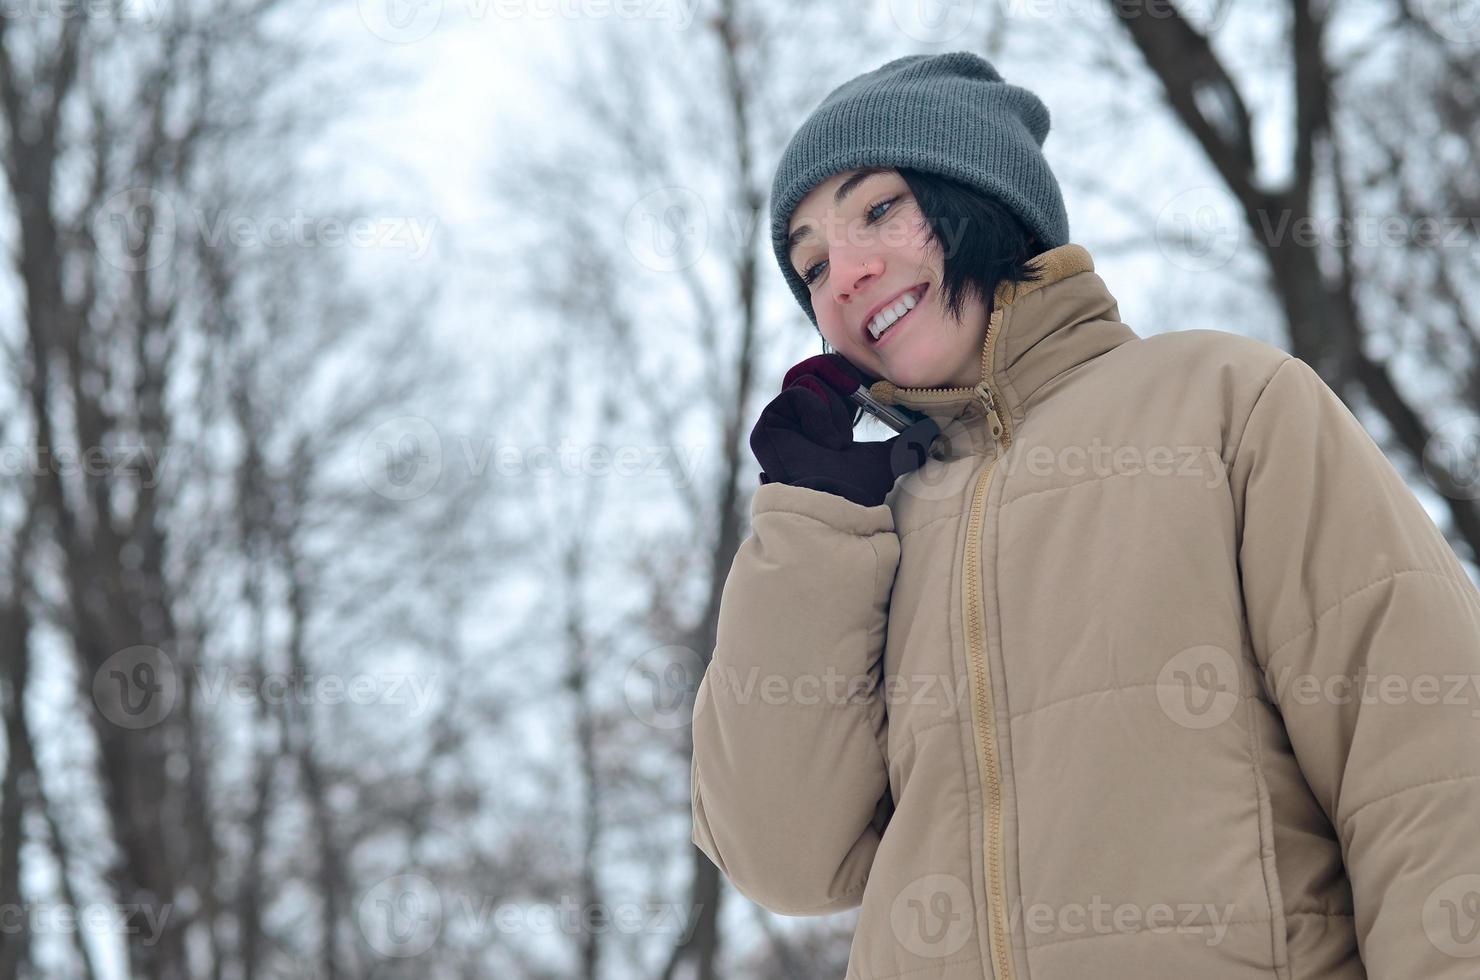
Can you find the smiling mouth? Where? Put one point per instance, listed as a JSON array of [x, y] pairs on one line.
[[919, 293]]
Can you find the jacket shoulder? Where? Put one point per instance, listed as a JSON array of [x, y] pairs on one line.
[[1194, 385], [1212, 350], [1194, 365]]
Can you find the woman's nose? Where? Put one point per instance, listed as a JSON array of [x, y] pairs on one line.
[[853, 273]]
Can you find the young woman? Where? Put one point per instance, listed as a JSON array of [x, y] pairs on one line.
[[1145, 672]]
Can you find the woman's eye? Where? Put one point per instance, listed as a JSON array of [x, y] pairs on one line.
[[811, 273], [869, 214]]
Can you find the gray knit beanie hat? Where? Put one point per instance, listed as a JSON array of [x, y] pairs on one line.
[[948, 114]]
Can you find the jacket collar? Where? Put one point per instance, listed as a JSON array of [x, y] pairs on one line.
[[1036, 332]]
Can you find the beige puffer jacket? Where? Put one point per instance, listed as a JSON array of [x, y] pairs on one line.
[[1156, 671]]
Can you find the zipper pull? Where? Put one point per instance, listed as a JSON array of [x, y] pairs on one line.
[[994, 421]]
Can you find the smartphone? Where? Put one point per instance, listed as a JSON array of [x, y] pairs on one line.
[[897, 417]]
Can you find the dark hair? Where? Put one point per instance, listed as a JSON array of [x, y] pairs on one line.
[[981, 241], [993, 244]]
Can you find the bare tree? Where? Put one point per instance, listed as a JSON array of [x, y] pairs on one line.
[[650, 266], [228, 389], [1350, 133], [18, 792]]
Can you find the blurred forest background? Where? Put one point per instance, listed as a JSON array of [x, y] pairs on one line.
[[375, 381]]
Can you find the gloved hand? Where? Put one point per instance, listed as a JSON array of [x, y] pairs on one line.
[[804, 437]]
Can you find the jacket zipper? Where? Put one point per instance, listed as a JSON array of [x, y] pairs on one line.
[[986, 728], [976, 655], [998, 424]]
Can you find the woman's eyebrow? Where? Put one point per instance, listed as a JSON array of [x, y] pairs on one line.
[[844, 189]]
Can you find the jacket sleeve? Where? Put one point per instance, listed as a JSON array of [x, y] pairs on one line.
[[1368, 632], [789, 786]]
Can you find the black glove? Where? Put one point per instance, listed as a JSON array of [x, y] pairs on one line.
[[804, 437]]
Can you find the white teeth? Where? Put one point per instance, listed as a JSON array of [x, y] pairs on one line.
[[886, 317]]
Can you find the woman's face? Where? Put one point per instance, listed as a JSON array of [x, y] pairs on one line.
[[863, 253]]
